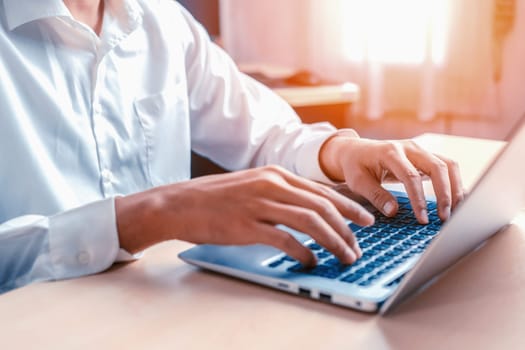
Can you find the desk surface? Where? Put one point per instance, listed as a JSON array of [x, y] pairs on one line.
[[159, 302]]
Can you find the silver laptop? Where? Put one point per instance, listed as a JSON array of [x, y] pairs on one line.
[[400, 256]]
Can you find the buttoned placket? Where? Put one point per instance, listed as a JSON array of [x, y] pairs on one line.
[[103, 47], [98, 116], [101, 138]]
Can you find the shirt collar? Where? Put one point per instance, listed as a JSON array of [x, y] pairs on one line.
[[19, 12]]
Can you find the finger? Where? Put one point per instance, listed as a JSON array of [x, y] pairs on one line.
[[330, 214], [437, 170], [367, 186], [270, 235], [344, 190], [311, 223], [456, 184], [398, 164], [346, 206]]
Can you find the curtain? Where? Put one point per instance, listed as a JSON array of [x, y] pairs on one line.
[[428, 58]]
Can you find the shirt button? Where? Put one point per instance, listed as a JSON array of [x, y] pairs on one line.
[[97, 108], [83, 258], [107, 176]]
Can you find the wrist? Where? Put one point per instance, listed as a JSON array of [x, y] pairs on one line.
[[134, 213], [331, 151]]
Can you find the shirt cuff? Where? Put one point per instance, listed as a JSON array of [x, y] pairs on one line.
[[84, 240], [307, 163]]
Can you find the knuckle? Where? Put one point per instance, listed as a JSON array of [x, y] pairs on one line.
[[310, 219], [440, 166], [452, 164], [267, 180], [274, 169], [391, 147], [392, 151], [325, 191], [413, 176], [446, 201], [411, 144], [263, 183], [377, 196], [324, 207]]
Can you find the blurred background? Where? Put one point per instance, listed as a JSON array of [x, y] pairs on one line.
[[413, 66]]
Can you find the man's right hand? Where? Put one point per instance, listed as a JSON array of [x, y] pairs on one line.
[[243, 208]]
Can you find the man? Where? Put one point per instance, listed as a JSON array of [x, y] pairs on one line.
[[101, 104]]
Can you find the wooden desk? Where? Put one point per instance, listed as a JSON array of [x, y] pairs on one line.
[[161, 303]]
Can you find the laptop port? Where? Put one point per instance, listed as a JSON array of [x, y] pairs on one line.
[[304, 292], [327, 298]]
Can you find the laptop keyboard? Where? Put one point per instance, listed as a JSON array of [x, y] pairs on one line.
[[385, 245]]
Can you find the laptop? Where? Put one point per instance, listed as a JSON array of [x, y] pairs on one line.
[[400, 256]]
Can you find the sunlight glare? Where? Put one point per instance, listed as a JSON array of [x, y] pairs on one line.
[[401, 31]]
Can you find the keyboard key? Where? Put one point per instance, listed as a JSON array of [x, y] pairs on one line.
[[296, 268], [383, 258], [276, 263], [381, 234], [365, 283], [403, 200], [364, 245], [393, 253], [372, 240], [382, 246], [361, 234], [354, 227], [333, 262], [428, 232], [323, 254], [314, 246], [389, 229], [364, 270], [389, 241], [373, 264], [399, 236], [351, 278]]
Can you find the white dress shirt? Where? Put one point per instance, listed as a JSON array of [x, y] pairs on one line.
[[85, 118]]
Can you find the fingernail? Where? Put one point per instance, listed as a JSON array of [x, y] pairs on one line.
[[424, 216], [350, 256], [367, 217], [357, 250], [446, 212], [388, 208]]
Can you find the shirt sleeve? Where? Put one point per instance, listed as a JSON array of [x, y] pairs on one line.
[[238, 122], [74, 243]]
